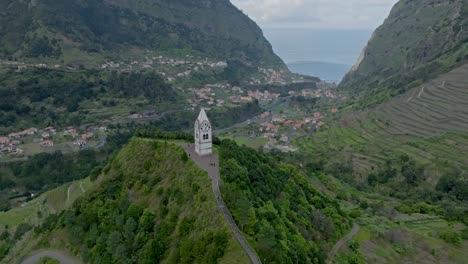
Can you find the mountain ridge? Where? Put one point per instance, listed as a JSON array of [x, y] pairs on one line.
[[419, 40], [57, 30]]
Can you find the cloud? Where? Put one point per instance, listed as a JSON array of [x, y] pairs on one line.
[[324, 14]]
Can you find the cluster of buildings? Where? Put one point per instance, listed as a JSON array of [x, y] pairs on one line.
[[315, 93], [44, 137], [270, 76], [170, 68], [21, 66], [277, 122], [8, 145], [206, 95], [209, 97], [143, 114], [254, 95]]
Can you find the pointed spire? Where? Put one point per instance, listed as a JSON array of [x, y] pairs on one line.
[[202, 116]]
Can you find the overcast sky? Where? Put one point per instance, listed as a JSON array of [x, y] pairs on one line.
[[317, 14]]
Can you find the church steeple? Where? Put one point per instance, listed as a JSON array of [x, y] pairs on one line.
[[203, 134], [202, 116]]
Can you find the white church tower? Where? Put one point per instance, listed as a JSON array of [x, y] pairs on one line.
[[203, 135]]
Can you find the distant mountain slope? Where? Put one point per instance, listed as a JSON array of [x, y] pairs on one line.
[[408, 138], [89, 29], [154, 205], [419, 40], [332, 72]]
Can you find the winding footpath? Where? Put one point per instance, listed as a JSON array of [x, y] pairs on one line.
[[62, 257], [213, 172], [341, 242]]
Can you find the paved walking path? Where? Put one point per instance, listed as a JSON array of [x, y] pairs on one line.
[[62, 257], [341, 242], [213, 172]]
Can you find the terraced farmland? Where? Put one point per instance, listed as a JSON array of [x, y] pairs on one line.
[[435, 108], [429, 123]]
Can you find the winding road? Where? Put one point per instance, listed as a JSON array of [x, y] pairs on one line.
[[213, 172], [62, 257], [341, 242]]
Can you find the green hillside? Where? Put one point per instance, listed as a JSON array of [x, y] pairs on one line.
[[277, 207], [154, 204], [86, 32], [419, 40], [408, 139]]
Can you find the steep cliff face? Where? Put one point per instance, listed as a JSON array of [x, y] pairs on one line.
[[57, 29], [419, 40]]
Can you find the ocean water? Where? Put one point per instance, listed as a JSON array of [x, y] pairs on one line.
[[332, 46], [327, 47]]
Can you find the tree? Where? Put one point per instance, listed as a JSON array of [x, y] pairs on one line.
[[147, 220]]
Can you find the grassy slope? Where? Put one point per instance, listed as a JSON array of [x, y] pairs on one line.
[[35, 211], [387, 236], [154, 175], [419, 40], [426, 124], [51, 202]]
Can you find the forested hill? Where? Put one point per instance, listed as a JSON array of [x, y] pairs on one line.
[[418, 41], [88, 29], [154, 205]]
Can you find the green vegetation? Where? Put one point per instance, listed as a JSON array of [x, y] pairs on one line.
[[410, 49], [75, 31], [152, 205], [47, 260], [413, 147], [286, 219], [220, 117], [15, 223], [43, 97], [45, 171], [255, 143]]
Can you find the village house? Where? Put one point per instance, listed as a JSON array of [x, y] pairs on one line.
[[265, 115], [45, 135], [135, 116], [268, 127], [237, 89], [87, 135], [11, 149], [334, 110], [284, 138], [30, 131], [220, 102], [246, 99], [268, 135], [50, 130], [317, 114], [47, 143], [289, 123], [70, 132], [278, 119], [80, 143], [27, 132], [320, 124], [299, 124], [4, 140]]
